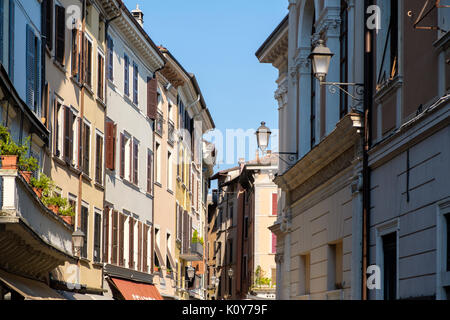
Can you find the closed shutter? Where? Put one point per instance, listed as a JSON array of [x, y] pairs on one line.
[[135, 83], [110, 145], [186, 232], [122, 155], [80, 144], [126, 75], [110, 59], [11, 53], [115, 233], [149, 172], [60, 20], [88, 63], [179, 223], [75, 54], [67, 128], [189, 233], [86, 148], [30, 67], [152, 98], [84, 228], [121, 238], [145, 249], [1, 30], [97, 236], [99, 160], [106, 234], [49, 23], [140, 246], [274, 204], [135, 161], [100, 89], [131, 243]]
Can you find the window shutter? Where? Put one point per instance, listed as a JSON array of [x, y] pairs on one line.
[[121, 238], [122, 155], [110, 59], [110, 144], [67, 121], [152, 98], [1, 31], [11, 53], [75, 54], [84, 228], [99, 160], [274, 204], [274, 243], [80, 144], [149, 172], [145, 249], [131, 243], [135, 83], [60, 19], [86, 148], [97, 239], [106, 234], [49, 23], [115, 233], [135, 161], [100, 88], [30, 67], [140, 246], [126, 75]]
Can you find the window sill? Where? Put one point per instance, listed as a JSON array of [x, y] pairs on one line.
[[99, 186], [335, 294], [89, 90], [160, 134], [158, 184], [389, 88], [86, 177], [76, 82], [59, 65], [149, 195], [170, 191], [101, 102]]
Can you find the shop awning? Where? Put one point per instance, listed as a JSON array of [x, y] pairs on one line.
[[29, 289], [136, 290]]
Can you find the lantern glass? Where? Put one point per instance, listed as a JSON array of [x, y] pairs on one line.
[[230, 272], [190, 272], [262, 136], [78, 239], [321, 58]]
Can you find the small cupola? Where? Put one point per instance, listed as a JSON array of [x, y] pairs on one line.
[[138, 15]]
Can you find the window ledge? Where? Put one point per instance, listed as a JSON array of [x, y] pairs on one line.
[[443, 42], [389, 88], [101, 102], [60, 66], [86, 177], [89, 89], [99, 186], [170, 191], [76, 82], [158, 184]]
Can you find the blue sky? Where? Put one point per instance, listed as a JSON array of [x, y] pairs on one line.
[[217, 41]]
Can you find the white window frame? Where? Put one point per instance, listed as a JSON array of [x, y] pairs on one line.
[[128, 144], [442, 275], [385, 229], [88, 123]]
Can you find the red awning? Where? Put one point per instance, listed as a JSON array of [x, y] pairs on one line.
[[136, 291]]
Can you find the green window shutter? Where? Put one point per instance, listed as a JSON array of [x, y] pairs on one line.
[[30, 68], [2, 20], [11, 40]]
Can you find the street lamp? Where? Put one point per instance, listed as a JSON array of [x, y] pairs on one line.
[[231, 272], [78, 241], [320, 59], [262, 136], [190, 273]]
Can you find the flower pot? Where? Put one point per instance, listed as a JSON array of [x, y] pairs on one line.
[[26, 175], [9, 162], [68, 219], [54, 208], [38, 192]]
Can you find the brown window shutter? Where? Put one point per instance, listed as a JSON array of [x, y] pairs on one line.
[[140, 246], [115, 232], [121, 239], [110, 144], [100, 66], [145, 249], [66, 146], [135, 161], [49, 23], [75, 52], [131, 243], [60, 20], [152, 97], [149, 172], [99, 160], [106, 235], [122, 155], [274, 204]]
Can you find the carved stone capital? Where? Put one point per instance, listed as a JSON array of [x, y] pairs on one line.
[[330, 26], [279, 258], [281, 95]]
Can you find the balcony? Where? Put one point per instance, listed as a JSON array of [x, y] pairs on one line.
[[193, 253], [33, 240]]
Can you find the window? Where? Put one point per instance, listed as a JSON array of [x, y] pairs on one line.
[[135, 83], [145, 249], [158, 162], [126, 156], [115, 236], [86, 139], [88, 63], [171, 133], [179, 223], [132, 223], [106, 234], [274, 243], [312, 119], [60, 33], [230, 251], [335, 266], [33, 71], [101, 67], [231, 214], [149, 171], [111, 131], [110, 44], [97, 236], [387, 42], [135, 161], [159, 123], [99, 159], [75, 55], [84, 228], [274, 204], [126, 76], [152, 99], [49, 23], [305, 275], [169, 171], [69, 121], [122, 219], [168, 242], [390, 266], [343, 41]]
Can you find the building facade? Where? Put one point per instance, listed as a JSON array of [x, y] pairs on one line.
[[337, 215]]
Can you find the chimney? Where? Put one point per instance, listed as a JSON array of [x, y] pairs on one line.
[[138, 15]]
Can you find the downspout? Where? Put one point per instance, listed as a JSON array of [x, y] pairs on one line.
[[368, 87]]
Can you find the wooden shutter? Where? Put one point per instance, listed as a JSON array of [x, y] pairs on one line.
[[60, 20], [126, 75], [49, 23], [111, 129], [66, 146], [140, 246], [131, 243], [145, 249], [100, 66], [80, 143], [75, 53], [121, 238], [110, 59], [30, 68], [84, 228], [135, 161], [11, 51], [274, 204], [115, 233], [86, 148], [135, 83], [122, 155], [152, 98], [97, 237], [1, 30], [185, 243], [149, 172], [106, 234], [99, 160]]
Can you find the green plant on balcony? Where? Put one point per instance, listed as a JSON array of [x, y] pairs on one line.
[[196, 238], [260, 279], [44, 185], [54, 203], [67, 211]]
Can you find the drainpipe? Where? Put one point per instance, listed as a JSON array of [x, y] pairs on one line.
[[368, 94]]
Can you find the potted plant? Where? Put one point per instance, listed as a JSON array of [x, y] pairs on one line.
[[42, 186], [27, 166], [9, 150], [67, 213], [54, 203], [169, 271], [157, 269]]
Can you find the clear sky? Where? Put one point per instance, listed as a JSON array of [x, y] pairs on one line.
[[217, 41]]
